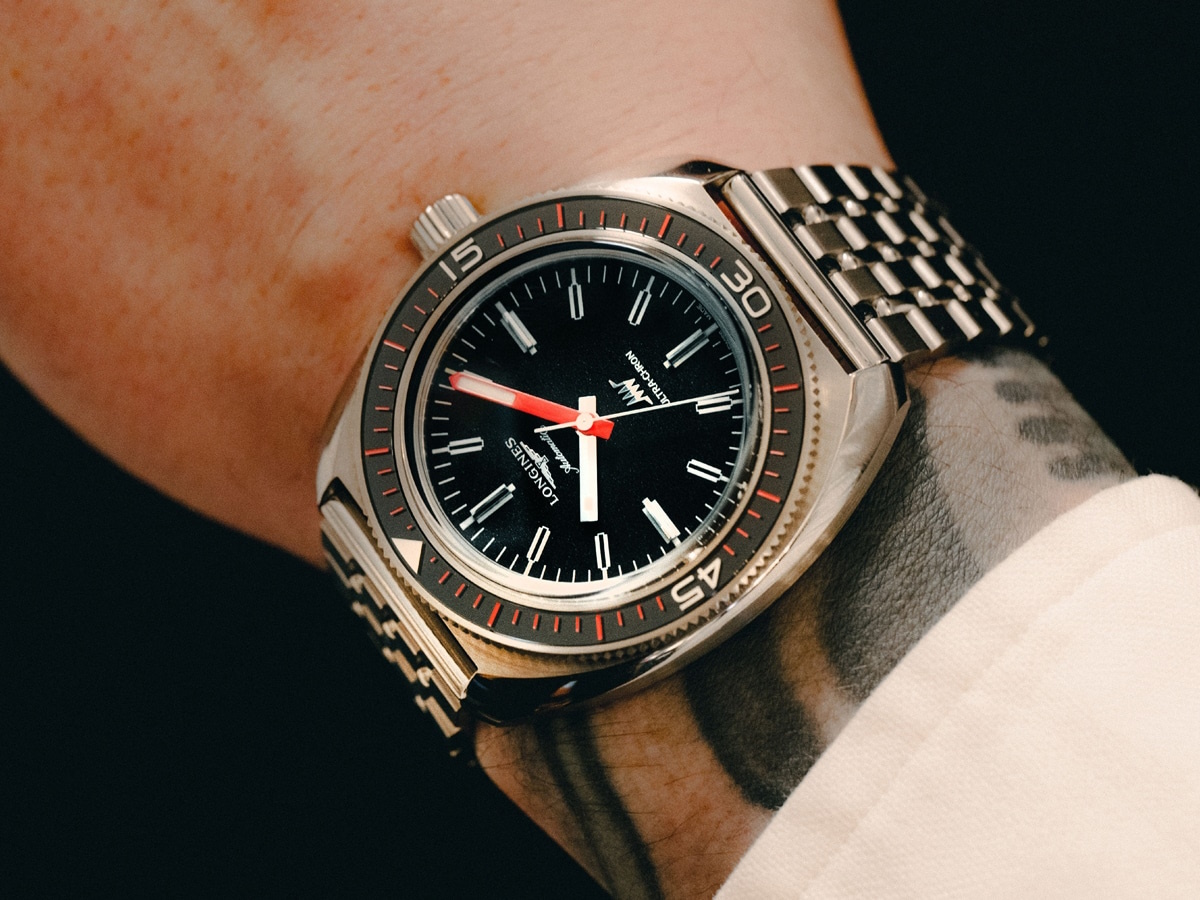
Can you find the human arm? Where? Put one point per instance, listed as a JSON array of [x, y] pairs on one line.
[[294, 371]]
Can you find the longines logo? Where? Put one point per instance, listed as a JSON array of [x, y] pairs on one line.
[[539, 460], [535, 467]]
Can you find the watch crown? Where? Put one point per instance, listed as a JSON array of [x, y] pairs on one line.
[[440, 222]]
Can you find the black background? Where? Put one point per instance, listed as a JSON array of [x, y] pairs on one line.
[[184, 709]]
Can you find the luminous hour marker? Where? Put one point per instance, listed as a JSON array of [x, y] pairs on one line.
[[705, 471], [460, 446], [536, 546], [660, 520], [715, 403], [641, 303], [685, 349], [488, 505], [575, 296], [603, 559], [517, 330]]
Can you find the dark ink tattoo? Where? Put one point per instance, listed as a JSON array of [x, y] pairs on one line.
[[1055, 421], [891, 573], [572, 758], [896, 568], [761, 736], [937, 517]]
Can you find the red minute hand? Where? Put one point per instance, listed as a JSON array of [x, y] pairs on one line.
[[485, 389]]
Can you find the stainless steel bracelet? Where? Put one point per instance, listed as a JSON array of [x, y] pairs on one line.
[[437, 684], [897, 264]]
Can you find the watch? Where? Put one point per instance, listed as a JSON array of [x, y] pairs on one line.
[[601, 430]]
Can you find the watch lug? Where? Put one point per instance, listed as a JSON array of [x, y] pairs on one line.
[[843, 331], [441, 222], [703, 171], [876, 407]]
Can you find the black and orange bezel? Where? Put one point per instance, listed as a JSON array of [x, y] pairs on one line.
[[757, 519]]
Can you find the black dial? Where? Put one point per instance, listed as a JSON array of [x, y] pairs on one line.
[[584, 418], [582, 424]]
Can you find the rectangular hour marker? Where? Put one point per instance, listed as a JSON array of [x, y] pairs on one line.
[[641, 303], [662, 523], [685, 349], [488, 505], [705, 471], [517, 330], [715, 404], [575, 296], [603, 559], [536, 546], [460, 446]]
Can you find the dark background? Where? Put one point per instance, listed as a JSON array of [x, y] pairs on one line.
[[184, 709]]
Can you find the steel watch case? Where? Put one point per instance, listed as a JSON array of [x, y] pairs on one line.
[[855, 401]]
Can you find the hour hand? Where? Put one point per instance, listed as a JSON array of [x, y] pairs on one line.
[[589, 492], [584, 422]]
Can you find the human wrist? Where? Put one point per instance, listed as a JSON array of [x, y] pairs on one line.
[[269, 180], [665, 789]]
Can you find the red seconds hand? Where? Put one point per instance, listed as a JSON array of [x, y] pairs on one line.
[[583, 422]]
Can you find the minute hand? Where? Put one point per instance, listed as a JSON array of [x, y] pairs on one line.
[[716, 395]]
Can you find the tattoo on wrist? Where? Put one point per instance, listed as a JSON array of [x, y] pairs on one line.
[[1075, 446], [891, 573], [619, 856], [759, 732]]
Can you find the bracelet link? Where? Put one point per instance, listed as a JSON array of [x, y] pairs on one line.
[[434, 693], [892, 256]]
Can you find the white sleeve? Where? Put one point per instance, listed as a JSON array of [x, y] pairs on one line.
[[1043, 740]]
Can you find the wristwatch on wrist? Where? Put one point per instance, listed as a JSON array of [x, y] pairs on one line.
[[600, 431]]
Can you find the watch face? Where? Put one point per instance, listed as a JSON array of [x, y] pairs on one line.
[[581, 423], [648, 354]]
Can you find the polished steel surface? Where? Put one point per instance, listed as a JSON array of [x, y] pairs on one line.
[[440, 222], [895, 262]]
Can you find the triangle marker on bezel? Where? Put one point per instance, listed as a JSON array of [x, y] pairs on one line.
[[410, 551]]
